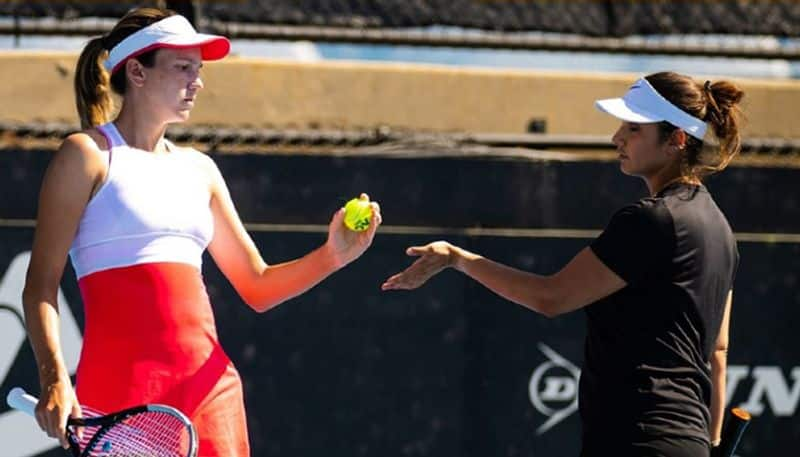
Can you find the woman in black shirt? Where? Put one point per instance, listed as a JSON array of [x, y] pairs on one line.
[[656, 285]]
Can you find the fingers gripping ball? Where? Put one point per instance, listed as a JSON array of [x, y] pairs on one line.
[[357, 214]]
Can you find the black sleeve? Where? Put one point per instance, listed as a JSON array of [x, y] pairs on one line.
[[638, 242]]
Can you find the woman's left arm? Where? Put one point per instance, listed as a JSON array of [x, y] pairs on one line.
[[264, 286], [719, 361], [583, 280]]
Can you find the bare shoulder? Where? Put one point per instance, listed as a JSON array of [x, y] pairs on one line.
[[90, 139], [83, 148], [77, 168]]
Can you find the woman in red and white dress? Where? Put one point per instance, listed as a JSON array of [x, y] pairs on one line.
[[135, 213]]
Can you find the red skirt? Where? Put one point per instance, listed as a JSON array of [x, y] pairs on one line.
[[150, 337]]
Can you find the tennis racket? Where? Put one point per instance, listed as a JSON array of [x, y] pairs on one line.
[[142, 431], [732, 431]]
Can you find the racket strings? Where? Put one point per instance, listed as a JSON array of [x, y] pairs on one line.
[[150, 433], [88, 431]]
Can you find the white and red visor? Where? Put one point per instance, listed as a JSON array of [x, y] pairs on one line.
[[173, 32], [643, 104]]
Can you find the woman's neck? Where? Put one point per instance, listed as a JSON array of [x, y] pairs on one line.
[[140, 131], [660, 181]]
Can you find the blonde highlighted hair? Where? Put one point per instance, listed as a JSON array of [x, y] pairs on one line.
[[93, 84]]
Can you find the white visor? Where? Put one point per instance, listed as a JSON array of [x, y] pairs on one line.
[[642, 104], [172, 32]]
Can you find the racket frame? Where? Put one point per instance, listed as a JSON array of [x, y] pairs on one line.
[[18, 399]]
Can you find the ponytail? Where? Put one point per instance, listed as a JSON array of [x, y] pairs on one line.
[[715, 103], [93, 84], [92, 88], [724, 116]]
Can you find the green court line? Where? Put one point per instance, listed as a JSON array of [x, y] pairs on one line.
[[437, 231], [17, 223], [749, 237]]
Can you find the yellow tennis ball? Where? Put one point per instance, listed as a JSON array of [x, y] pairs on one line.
[[357, 214]]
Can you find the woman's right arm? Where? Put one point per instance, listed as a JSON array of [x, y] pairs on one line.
[[74, 172]]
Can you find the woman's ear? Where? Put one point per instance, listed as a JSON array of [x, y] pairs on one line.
[[677, 141], [135, 72]]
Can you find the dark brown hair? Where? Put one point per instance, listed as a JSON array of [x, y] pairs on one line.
[[716, 103], [92, 81]]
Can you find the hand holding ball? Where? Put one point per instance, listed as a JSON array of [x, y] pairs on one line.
[[357, 214]]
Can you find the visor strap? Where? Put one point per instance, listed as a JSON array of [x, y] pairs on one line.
[[680, 118]]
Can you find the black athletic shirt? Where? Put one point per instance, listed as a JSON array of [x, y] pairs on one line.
[[646, 371]]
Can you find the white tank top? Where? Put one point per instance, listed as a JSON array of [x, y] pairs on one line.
[[151, 208]]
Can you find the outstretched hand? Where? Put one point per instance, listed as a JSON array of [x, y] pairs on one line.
[[433, 258], [347, 245]]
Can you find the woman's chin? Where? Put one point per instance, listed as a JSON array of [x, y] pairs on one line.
[[181, 116]]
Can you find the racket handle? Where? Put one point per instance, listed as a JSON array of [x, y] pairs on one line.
[[732, 431], [19, 399]]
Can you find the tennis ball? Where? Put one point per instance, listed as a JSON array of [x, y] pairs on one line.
[[357, 214]]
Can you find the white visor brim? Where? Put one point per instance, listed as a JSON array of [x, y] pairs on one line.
[[173, 32], [621, 110], [643, 104]]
